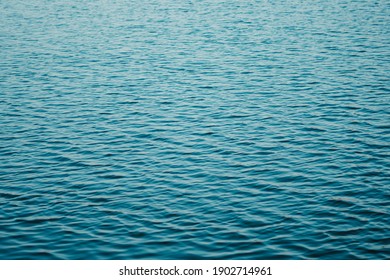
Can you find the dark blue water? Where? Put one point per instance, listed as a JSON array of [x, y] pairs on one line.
[[210, 129]]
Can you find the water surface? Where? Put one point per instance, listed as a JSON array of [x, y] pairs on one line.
[[210, 129]]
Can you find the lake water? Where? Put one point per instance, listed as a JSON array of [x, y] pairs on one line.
[[209, 129]]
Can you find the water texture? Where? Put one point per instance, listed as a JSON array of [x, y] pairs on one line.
[[208, 129]]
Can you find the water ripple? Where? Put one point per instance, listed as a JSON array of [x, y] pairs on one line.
[[194, 130]]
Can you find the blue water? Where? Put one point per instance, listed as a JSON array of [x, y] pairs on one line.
[[208, 129]]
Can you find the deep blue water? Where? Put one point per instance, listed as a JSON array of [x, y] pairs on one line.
[[208, 129]]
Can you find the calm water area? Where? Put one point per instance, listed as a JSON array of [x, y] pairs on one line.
[[194, 129]]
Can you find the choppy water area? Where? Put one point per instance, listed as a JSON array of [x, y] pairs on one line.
[[210, 129]]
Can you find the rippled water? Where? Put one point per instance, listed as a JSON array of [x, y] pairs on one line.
[[209, 129]]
